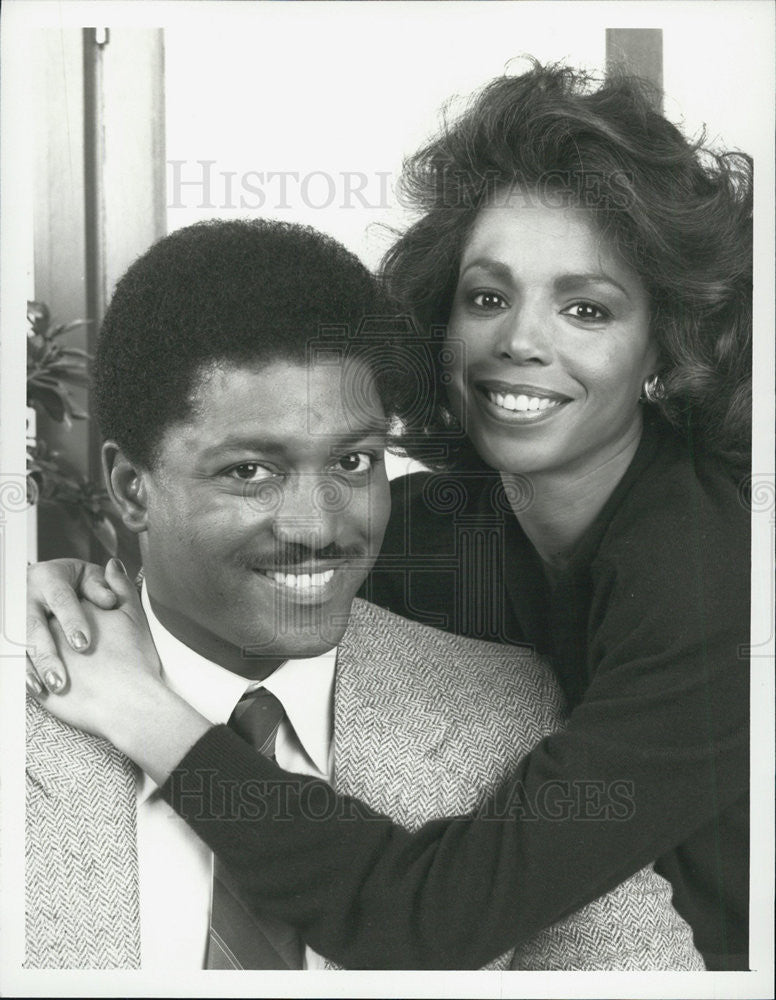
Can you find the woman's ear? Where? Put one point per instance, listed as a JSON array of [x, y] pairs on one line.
[[126, 486]]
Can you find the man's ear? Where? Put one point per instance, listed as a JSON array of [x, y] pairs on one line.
[[125, 482]]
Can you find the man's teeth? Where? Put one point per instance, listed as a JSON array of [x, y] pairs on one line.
[[509, 401], [301, 581]]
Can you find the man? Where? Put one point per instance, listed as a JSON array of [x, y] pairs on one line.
[[245, 413]]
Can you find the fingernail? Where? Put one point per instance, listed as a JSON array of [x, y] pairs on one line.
[[78, 640], [36, 685], [53, 681], [120, 566]]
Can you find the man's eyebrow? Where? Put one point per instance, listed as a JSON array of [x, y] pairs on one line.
[[269, 445], [376, 430]]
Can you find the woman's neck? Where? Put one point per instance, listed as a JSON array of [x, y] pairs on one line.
[[564, 504]]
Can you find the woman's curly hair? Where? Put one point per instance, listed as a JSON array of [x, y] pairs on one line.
[[679, 214]]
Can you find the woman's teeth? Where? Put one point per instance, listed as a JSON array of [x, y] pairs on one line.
[[509, 401], [301, 581]]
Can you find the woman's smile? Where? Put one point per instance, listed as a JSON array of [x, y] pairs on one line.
[[521, 404]]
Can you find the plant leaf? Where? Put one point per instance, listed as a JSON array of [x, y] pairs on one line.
[[42, 377], [51, 401], [74, 324], [33, 490], [77, 352], [70, 375], [38, 315]]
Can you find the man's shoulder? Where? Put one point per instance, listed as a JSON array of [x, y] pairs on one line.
[[61, 758], [367, 617], [81, 882], [381, 643], [427, 723]]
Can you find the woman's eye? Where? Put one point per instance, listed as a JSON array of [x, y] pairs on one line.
[[488, 301], [250, 472], [357, 461], [586, 311]]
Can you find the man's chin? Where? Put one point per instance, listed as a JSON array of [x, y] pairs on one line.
[[313, 639], [309, 629], [290, 650]]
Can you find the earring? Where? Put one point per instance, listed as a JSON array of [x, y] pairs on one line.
[[653, 390]]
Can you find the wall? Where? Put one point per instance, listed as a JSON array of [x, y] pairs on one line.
[[321, 91]]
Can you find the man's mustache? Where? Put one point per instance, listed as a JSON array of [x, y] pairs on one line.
[[295, 554]]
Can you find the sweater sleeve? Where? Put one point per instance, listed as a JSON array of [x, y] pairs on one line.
[[656, 749]]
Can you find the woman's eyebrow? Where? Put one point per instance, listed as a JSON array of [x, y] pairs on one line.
[[572, 282], [493, 267], [563, 283]]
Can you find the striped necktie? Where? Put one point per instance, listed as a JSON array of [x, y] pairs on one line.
[[238, 938]]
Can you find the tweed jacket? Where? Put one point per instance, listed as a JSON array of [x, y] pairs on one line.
[[426, 724]]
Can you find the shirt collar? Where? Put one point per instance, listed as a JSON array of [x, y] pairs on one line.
[[305, 688]]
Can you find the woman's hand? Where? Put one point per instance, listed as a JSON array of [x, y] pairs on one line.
[[121, 661], [54, 589], [115, 688]]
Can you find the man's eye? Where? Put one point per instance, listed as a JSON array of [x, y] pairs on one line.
[[586, 311], [488, 301], [250, 472], [355, 462]]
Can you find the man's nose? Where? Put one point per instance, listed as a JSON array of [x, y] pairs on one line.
[[307, 512]]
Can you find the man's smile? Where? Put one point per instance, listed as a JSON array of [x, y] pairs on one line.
[[307, 583], [301, 581]]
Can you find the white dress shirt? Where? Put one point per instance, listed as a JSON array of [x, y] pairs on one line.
[[176, 867]]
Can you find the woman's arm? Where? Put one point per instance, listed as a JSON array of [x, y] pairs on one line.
[[655, 756], [581, 813], [657, 749], [585, 810]]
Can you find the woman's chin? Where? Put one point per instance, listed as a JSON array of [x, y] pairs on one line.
[[510, 457]]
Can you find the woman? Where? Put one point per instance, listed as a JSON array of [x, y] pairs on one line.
[[592, 269]]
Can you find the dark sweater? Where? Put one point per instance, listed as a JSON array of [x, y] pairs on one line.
[[647, 630]]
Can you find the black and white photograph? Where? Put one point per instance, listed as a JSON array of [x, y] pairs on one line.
[[387, 522]]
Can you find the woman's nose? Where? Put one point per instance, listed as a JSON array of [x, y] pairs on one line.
[[523, 336]]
